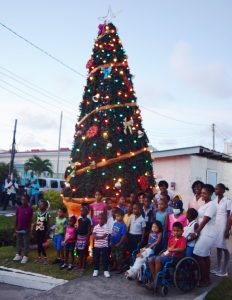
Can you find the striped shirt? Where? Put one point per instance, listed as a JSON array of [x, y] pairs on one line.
[[100, 231]]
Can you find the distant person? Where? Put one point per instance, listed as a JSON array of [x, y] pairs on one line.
[[163, 191], [23, 227], [197, 200], [34, 199], [176, 216], [192, 226], [121, 204], [11, 188], [128, 215]]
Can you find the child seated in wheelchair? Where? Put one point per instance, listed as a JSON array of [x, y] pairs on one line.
[[192, 226], [153, 247], [176, 250]]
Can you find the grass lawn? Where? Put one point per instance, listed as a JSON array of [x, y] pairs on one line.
[[7, 222], [7, 254], [222, 291]]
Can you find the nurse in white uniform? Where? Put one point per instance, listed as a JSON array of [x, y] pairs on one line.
[[206, 233], [222, 225]]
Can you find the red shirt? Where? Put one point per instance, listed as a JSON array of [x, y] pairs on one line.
[[24, 218], [176, 243]]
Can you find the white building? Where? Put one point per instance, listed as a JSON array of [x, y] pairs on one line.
[[181, 167], [52, 155]]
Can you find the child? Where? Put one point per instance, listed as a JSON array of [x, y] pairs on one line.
[[147, 213], [176, 216], [41, 228], [118, 237], [191, 215], [60, 224], [83, 235], [176, 249], [109, 208], [136, 229], [22, 227], [141, 198], [163, 191], [153, 247], [97, 208], [121, 204], [110, 222], [101, 245], [69, 243], [128, 215]]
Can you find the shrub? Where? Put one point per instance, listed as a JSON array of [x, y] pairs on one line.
[[54, 199]]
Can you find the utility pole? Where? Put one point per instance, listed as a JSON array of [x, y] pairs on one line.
[[13, 150], [58, 154], [213, 130]]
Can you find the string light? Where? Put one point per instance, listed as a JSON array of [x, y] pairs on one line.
[[105, 134], [134, 167], [94, 144], [120, 167]]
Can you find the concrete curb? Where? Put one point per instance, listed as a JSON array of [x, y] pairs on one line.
[[29, 280]]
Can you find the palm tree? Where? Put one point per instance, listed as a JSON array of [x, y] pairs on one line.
[[38, 165]]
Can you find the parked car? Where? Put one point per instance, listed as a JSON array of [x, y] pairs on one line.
[[47, 184]]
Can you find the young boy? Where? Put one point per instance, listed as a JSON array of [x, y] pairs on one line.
[[147, 213], [121, 204], [22, 227], [101, 245], [176, 249], [60, 224], [118, 237], [192, 226]]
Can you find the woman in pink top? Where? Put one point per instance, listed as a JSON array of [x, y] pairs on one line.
[[197, 201], [176, 216], [97, 208]]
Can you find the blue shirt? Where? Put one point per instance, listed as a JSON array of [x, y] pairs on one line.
[[35, 189], [123, 208], [118, 231]]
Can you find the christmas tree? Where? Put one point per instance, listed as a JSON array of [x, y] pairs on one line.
[[110, 150]]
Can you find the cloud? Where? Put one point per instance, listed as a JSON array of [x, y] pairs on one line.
[[29, 141], [38, 120], [210, 79]]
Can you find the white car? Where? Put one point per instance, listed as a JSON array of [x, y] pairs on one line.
[[47, 184]]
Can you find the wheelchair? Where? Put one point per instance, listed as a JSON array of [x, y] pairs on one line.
[[183, 274]]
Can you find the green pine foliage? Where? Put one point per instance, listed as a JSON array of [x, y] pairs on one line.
[[112, 132]]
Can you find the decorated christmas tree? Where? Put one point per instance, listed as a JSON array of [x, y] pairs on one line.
[[110, 150]]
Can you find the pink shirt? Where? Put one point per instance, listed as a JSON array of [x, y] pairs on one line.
[[70, 234], [97, 208], [194, 203], [171, 220]]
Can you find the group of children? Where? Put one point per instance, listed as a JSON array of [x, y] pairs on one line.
[[150, 225]]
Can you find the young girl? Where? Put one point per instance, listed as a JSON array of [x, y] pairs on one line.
[[108, 208], [136, 228], [97, 208], [192, 226], [153, 247], [161, 215], [41, 229], [128, 215], [222, 219], [69, 243], [83, 235], [176, 216], [197, 201]]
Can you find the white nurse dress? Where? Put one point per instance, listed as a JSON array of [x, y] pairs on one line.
[[207, 235]]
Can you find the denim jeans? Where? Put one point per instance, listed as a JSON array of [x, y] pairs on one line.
[[22, 243], [34, 199], [97, 254]]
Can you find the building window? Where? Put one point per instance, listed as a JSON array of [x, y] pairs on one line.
[[211, 177], [54, 184], [62, 185], [42, 182]]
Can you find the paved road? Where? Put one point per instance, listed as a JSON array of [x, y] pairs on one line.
[[13, 292]]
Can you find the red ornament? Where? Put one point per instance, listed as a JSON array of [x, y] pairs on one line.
[[92, 131], [89, 63], [142, 180], [108, 47]]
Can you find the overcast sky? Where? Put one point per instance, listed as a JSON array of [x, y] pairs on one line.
[[179, 51]]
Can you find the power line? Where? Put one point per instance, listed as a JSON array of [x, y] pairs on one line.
[[171, 118], [42, 50], [36, 89]]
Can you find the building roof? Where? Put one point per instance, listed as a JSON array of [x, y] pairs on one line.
[[39, 152], [196, 150]]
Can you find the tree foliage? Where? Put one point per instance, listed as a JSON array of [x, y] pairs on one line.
[[38, 165]]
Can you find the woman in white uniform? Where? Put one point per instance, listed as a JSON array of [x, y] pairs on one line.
[[222, 225], [206, 233]]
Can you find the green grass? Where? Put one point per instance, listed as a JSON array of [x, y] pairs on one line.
[[222, 291], [7, 222], [7, 254]]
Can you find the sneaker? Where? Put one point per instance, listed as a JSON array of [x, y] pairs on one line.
[[107, 274], [38, 260], [45, 261], [70, 267], [24, 260], [64, 266], [214, 271], [95, 273], [17, 257], [221, 274]]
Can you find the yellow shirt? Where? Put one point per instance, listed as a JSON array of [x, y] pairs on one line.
[[127, 219]]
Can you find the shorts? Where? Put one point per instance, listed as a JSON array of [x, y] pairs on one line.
[[70, 247], [57, 241], [82, 244]]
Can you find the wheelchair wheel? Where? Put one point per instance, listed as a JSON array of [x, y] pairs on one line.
[[164, 290], [187, 274]]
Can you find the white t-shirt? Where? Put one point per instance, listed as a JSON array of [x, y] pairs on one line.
[[208, 210], [137, 224]]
